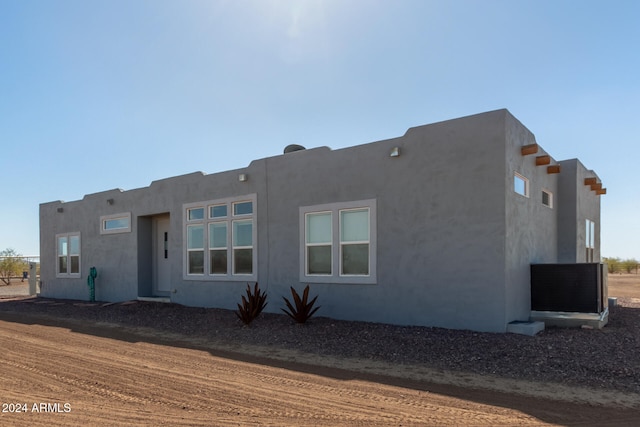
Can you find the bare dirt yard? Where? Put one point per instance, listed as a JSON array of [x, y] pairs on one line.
[[73, 363]]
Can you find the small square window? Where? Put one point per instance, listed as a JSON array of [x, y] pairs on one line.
[[521, 185], [547, 198]]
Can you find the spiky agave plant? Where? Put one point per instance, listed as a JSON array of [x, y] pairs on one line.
[[252, 305], [303, 309]]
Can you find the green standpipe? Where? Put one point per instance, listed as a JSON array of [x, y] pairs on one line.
[[91, 282]]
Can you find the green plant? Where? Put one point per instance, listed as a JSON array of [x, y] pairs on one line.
[[252, 305], [629, 265], [11, 265], [303, 309], [618, 265], [614, 265]]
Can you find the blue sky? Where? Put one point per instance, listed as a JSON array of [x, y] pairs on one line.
[[104, 94]]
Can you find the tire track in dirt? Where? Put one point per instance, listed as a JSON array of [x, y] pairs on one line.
[[115, 378], [404, 402], [115, 382]]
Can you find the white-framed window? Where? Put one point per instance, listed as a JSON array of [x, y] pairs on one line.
[[68, 255], [220, 239], [547, 198], [318, 243], [195, 249], [590, 232], [355, 235], [338, 242], [520, 184], [116, 223]]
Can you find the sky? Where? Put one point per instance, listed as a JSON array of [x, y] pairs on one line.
[[104, 94]]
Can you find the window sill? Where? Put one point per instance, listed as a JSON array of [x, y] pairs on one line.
[[236, 278], [340, 280]]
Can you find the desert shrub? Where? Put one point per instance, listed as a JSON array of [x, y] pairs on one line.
[[617, 265], [613, 264], [303, 309], [252, 304], [629, 265], [11, 265]]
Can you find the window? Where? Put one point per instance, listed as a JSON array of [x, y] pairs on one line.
[[68, 255], [521, 185], [217, 211], [547, 198], [338, 243], [195, 214], [195, 249], [243, 247], [318, 243], [590, 231], [118, 223], [354, 242], [218, 248], [220, 239]]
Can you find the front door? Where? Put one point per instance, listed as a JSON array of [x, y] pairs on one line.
[[161, 260]]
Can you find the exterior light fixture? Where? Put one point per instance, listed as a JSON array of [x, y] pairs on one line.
[[109, 201], [60, 210], [242, 177], [395, 152]]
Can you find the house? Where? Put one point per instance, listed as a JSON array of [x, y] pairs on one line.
[[438, 227]]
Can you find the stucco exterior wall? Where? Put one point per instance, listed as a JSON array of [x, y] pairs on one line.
[[440, 240], [118, 257], [531, 227], [452, 240], [580, 203], [96, 250]]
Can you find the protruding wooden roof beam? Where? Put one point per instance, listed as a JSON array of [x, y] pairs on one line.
[[596, 187], [543, 160], [590, 181], [553, 169], [601, 191], [529, 149]]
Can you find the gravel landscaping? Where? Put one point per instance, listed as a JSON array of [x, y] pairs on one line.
[[603, 359]]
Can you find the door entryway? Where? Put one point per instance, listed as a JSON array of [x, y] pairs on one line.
[[161, 260]]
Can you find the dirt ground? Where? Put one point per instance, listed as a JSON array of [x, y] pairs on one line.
[[60, 372], [624, 285]]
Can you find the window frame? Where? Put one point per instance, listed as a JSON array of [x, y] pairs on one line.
[[346, 242], [590, 239], [211, 225], [526, 183], [69, 255], [106, 218], [195, 209], [336, 244], [549, 196], [308, 244], [195, 250], [230, 220]]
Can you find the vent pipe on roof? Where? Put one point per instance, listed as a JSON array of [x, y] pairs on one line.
[[293, 147]]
